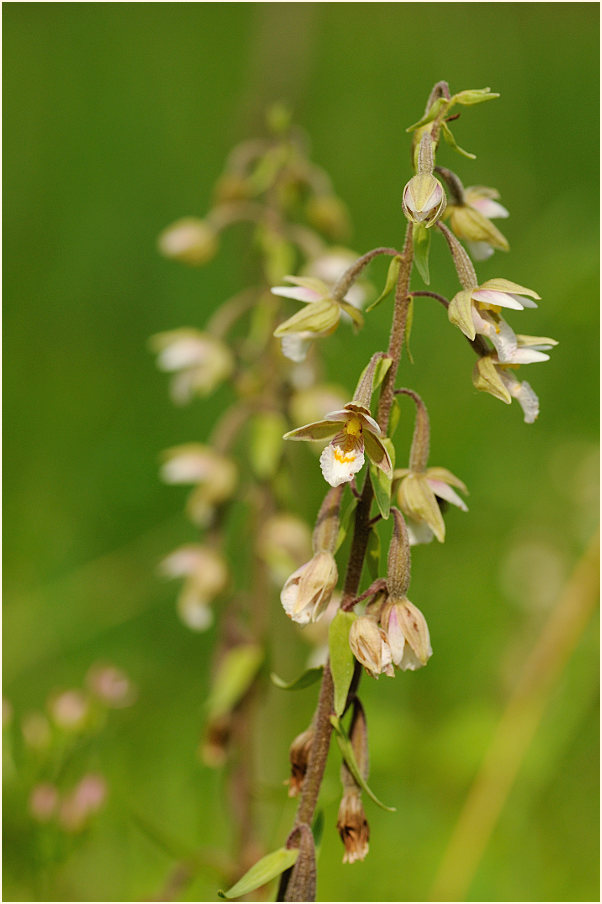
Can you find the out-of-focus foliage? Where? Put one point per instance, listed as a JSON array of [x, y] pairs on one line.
[[118, 118]]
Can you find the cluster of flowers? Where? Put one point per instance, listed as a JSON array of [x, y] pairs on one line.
[[51, 738]]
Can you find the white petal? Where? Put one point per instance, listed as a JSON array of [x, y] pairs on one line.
[[395, 637], [185, 351], [489, 208], [444, 491], [523, 394], [410, 661], [524, 300], [501, 299], [193, 610], [299, 293], [528, 356], [289, 598], [339, 465]]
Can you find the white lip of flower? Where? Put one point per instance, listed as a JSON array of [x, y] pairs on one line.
[[523, 393], [308, 590], [501, 335], [344, 456]]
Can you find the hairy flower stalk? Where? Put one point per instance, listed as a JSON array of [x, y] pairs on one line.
[[390, 635]]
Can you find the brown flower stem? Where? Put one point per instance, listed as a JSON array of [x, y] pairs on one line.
[[425, 294], [350, 275], [323, 727]]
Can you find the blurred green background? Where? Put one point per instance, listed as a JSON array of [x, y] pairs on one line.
[[117, 120]]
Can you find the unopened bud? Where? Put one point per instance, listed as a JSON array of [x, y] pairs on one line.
[[424, 199], [326, 531], [407, 634], [190, 240], [353, 826], [43, 802], [328, 214], [307, 591], [299, 757], [369, 645]]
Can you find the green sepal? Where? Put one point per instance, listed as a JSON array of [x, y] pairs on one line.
[[373, 554], [344, 523], [432, 113], [409, 322], [357, 318], [449, 138], [342, 662], [235, 675], [421, 237], [391, 281], [316, 317], [381, 483], [309, 677], [351, 763], [380, 366], [262, 872], [265, 447], [473, 96]]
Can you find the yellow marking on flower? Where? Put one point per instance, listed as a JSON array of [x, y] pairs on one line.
[[495, 308], [353, 426], [343, 457]]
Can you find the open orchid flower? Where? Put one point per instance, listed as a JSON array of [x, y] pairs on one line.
[[354, 433], [320, 317], [417, 498], [498, 377], [470, 221]]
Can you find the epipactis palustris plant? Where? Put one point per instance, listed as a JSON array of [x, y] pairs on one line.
[[267, 355]]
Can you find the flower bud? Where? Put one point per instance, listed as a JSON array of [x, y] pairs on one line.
[[307, 591], [370, 647], [43, 802], [328, 214], [190, 240], [424, 199], [353, 826], [299, 757], [407, 634]]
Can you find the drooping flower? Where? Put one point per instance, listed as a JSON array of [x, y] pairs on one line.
[[407, 634], [470, 221], [198, 361], [213, 474], [344, 456], [205, 577], [488, 298], [308, 590], [498, 377], [417, 498], [370, 646], [320, 317]]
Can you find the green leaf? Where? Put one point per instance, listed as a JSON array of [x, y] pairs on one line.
[[391, 282], [432, 113], [265, 448], [262, 872], [447, 134], [235, 675], [373, 554], [351, 763], [409, 322], [341, 658], [381, 483], [422, 245], [344, 523], [309, 677], [473, 96]]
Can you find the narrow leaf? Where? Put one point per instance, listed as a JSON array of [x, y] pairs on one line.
[[391, 282], [351, 763], [447, 134], [440, 104], [422, 245], [234, 677], [341, 658], [381, 483], [309, 677], [344, 523], [262, 872]]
